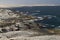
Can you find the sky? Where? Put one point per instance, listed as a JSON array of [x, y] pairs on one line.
[[10, 3]]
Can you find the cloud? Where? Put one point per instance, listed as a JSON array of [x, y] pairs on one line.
[[20, 5]]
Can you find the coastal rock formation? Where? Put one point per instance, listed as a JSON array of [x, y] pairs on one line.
[[18, 26]]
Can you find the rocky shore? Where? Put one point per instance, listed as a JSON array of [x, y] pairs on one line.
[[19, 26]]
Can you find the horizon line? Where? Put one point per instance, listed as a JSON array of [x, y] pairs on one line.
[[22, 5]]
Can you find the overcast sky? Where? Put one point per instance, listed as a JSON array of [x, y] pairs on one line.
[[29, 2]]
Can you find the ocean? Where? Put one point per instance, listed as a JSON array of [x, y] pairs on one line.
[[40, 11]]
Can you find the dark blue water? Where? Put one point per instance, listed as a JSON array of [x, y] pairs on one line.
[[44, 10]]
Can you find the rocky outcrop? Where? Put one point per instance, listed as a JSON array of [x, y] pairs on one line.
[[17, 26]]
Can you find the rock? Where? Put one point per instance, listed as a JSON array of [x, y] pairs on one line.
[[4, 38], [46, 37], [19, 33]]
